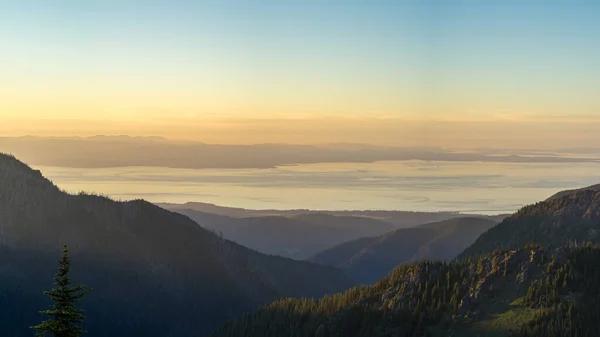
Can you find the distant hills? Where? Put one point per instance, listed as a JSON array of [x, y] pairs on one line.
[[298, 236], [155, 272], [370, 259], [400, 219], [122, 151]]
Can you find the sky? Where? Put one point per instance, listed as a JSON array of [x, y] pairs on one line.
[[497, 73]]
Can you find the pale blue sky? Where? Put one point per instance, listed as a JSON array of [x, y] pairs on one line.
[[414, 59]]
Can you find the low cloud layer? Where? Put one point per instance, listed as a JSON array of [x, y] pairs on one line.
[[464, 131]]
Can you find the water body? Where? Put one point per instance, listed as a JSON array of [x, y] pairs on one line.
[[481, 187]]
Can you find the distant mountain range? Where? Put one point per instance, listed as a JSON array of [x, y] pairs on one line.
[[300, 234], [370, 259], [121, 151], [400, 219], [154, 272]]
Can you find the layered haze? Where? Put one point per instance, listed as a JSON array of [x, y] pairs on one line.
[[321, 177]]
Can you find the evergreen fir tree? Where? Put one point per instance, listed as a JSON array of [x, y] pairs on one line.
[[65, 317]]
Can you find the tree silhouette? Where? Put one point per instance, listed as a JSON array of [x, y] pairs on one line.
[[65, 317]]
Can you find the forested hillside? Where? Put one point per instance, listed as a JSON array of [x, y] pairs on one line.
[[555, 222], [567, 192], [154, 272], [528, 292]]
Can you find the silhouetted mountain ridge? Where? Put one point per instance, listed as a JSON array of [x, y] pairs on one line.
[[142, 260], [123, 151]]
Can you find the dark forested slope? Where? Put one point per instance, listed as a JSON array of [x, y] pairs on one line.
[[529, 292], [529, 276], [155, 272], [554, 222]]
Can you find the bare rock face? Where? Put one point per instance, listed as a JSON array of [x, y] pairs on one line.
[[388, 295], [417, 276], [530, 269]]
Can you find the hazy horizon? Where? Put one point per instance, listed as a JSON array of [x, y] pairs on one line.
[[399, 73], [419, 186], [261, 87]]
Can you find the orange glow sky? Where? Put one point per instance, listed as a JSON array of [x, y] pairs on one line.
[[380, 72]]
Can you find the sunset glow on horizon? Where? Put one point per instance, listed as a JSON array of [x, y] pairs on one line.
[[381, 72]]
